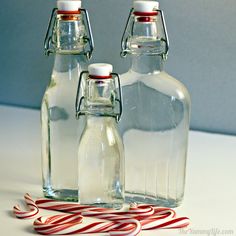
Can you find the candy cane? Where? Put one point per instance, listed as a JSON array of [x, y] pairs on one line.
[[135, 211], [33, 209], [57, 225], [70, 224], [126, 223], [165, 223]]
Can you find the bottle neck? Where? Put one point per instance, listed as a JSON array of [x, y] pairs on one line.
[[68, 62], [99, 98], [147, 64], [99, 121], [69, 34]]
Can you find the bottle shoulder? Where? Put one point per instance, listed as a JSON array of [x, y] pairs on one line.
[[63, 83], [161, 81], [61, 91]]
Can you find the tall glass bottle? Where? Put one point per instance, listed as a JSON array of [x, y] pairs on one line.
[[155, 120], [70, 39], [100, 151]]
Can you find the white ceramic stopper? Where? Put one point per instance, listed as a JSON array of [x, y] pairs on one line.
[[100, 69], [68, 5], [146, 6]]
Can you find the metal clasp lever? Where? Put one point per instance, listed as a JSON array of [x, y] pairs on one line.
[[48, 49], [119, 99], [90, 38], [126, 34], [78, 102], [166, 40]]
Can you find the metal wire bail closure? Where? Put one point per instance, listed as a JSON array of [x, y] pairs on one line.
[[78, 102], [90, 35], [48, 48], [126, 34], [119, 99], [80, 97], [129, 27]]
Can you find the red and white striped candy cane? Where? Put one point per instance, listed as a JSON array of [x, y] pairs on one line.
[[71, 224], [165, 223], [135, 211], [33, 209], [124, 223]]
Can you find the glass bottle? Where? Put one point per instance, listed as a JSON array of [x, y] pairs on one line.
[[100, 151], [156, 113], [70, 39]]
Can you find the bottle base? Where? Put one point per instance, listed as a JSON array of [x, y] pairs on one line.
[[163, 202], [61, 194], [116, 206]]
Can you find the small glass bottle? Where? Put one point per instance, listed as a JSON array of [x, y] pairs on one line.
[[155, 120], [100, 151], [70, 39]]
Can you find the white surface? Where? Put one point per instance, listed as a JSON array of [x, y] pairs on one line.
[[100, 69], [68, 5], [210, 189], [146, 6]]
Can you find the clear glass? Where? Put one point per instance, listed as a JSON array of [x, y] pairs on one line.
[[100, 151], [101, 164], [59, 134], [154, 128]]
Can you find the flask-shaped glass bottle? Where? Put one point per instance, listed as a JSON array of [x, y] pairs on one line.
[[100, 150], [69, 37], [155, 120]]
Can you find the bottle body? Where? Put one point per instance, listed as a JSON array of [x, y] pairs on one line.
[[100, 151], [59, 134], [101, 164], [154, 128], [155, 120], [69, 37]]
